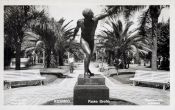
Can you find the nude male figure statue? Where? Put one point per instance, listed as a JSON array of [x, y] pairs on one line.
[[88, 26]]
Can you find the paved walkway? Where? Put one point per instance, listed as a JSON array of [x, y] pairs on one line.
[[36, 95]]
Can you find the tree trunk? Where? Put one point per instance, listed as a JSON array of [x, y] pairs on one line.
[[124, 60], [150, 63], [154, 46], [48, 58], [18, 51], [55, 58], [8, 54], [108, 57], [44, 57], [144, 63], [61, 58], [96, 55], [111, 60], [154, 12]]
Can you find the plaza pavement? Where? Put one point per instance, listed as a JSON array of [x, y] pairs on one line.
[[36, 95]]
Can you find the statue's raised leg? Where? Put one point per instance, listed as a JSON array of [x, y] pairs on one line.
[[86, 48]]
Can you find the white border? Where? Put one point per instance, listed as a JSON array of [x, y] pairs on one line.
[[95, 2]]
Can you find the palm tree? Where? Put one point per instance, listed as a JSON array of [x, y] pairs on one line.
[[124, 43], [16, 22], [63, 33], [45, 28], [150, 17], [153, 11], [55, 36], [154, 14]]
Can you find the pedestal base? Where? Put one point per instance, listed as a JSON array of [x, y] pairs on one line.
[[97, 79], [91, 91]]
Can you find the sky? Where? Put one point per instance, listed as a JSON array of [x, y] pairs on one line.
[[74, 12], [164, 15]]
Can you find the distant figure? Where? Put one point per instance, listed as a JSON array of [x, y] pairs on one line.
[[71, 64], [117, 63], [88, 26]]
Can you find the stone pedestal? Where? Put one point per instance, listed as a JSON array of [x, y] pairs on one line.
[[91, 91]]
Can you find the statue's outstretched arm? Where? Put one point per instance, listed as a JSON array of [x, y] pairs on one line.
[[103, 15]]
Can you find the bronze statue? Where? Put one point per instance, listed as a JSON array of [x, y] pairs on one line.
[[88, 26]]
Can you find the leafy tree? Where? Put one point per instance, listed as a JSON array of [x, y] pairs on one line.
[[150, 16], [63, 33], [163, 39], [55, 36], [153, 11], [45, 29], [16, 22], [123, 42], [163, 45]]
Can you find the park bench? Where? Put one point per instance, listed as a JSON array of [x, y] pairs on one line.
[[157, 77], [22, 76]]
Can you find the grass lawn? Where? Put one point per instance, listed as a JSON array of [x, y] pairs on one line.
[[49, 77], [125, 74], [123, 77]]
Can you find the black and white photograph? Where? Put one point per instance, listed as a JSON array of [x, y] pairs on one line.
[[86, 55]]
